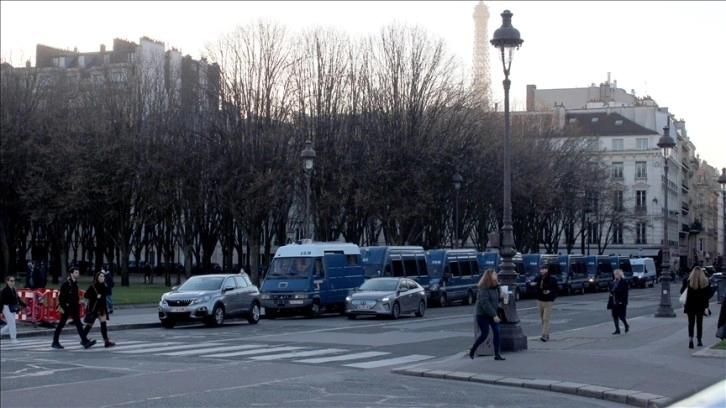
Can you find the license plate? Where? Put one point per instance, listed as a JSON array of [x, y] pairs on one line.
[[178, 309], [365, 307], [296, 302]]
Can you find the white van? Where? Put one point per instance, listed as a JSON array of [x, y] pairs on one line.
[[643, 272]]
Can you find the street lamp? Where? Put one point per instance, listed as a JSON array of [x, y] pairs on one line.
[[722, 181], [666, 143], [456, 179], [506, 38], [308, 156]]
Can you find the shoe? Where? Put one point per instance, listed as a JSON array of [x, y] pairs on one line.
[[699, 343], [627, 328], [109, 343], [543, 338], [616, 332], [690, 344], [57, 345], [110, 311], [88, 344], [15, 341], [499, 357]]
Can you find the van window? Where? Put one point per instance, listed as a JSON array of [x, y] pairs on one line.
[[397, 268], [422, 268], [454, 268], [474, 267], [410, 267], [352, 260], [465, 268]]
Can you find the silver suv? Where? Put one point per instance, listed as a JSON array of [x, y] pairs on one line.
[[211, 299]]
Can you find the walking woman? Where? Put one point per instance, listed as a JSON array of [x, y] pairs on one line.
[[10, 304], [96, 295], [619, 294], [697, 298], [486, 312]]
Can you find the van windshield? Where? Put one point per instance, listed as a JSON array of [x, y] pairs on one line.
[[636, 267], [298, 267]]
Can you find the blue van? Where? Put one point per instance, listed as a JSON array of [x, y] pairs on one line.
[[309, 278], [599, 272], [623, 262], [492, 259], [397, 261], [453, 276], [572, 274]]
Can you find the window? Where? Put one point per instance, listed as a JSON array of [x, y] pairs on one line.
[[618, 234], [618, 144], [617, 170], [619, 122], [641, 143], [641, 198], [618, 200], [641, 170], [640, 233]]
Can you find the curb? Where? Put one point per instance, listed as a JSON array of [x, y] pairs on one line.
[[628, 397]]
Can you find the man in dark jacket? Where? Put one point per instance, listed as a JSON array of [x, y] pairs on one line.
[[68, 303], [546, 294], [108, 275]]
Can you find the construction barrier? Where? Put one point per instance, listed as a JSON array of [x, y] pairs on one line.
[[42, 306]]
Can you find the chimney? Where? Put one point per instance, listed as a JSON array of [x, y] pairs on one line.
[[27, 64], [103, 47]]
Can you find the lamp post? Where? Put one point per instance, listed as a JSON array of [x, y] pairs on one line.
[[722, 181], [456, 179], [666, 143], [308, 156], [506, 39]]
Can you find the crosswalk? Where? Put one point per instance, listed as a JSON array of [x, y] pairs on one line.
[[224, 350]]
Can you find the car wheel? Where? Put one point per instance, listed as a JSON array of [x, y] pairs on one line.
[[421, 309], [443, 300], [217, 318], [314, 311], [517, 295], [167, 324], [351, 316], [469, 299], [253, 316], [568, 290], [396, 311]]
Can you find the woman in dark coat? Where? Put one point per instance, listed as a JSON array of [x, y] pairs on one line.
[[487, 302], [96, 295], [619, 293], [699, 292]]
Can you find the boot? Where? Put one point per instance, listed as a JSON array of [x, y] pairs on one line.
[[471, 353], [498, 356], [699, 343], [108, 343], [627, 327], [690, 343], [57, 345], [617, 326]]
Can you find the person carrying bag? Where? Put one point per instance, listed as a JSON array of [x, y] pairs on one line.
[[11, 304], [97, 307]]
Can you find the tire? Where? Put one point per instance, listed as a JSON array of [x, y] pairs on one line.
[[517, 295], [443, 300], [217, 317], [421, 309], [168, 324], [253, 316], [469, 299], [396, 311], [351, 316], [314, 311]]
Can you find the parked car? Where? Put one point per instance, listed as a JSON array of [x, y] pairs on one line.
[[211, 299], [386, 297]]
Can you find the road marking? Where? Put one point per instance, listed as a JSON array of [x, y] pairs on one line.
[[168, 348], [125, 346], [391, 361], [298, 354], [354, 356], [252, 352], [205, 350]]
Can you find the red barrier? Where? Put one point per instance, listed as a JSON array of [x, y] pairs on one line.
[[42, 306]]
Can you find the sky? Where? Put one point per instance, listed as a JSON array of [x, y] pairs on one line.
[[669, 50]]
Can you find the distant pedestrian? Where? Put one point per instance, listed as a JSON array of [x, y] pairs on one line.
[[619, 303], [699, 292], [487, 303], [97, 306], [29, 282], [11, 304], [546, 294], [108, 276], [148, 275], [68, 303]]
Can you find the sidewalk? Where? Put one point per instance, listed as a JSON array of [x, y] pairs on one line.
[[651, 366]]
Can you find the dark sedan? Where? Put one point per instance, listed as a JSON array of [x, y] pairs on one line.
[[386, 297]]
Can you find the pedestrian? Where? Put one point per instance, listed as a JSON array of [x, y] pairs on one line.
[[97, 306], [547, 288], [148, 275], [487, 302], [68, 304], [618, 301], [108, 276], [11, 303], [29, 283], [721, 324], [699, 292]]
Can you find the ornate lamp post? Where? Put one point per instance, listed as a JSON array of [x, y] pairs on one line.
[[456, 179], [722, 181], [506, 38], [666, 143], [308, 156]]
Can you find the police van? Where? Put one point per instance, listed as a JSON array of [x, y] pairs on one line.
[[453, 276], [311, 278]]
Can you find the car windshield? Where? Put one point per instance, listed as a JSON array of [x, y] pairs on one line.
[[202, 283], [298, 267], [379, 285]]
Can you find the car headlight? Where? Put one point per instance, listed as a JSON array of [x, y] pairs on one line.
[[348, 298], [265, 296], [434, 287], [299, 295], [201, 300], [592, 279], [385, 299]]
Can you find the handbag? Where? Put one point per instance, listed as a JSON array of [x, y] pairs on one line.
[[89, 318], [610, 302], [14, 308], [501, 315], [683, 297]]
